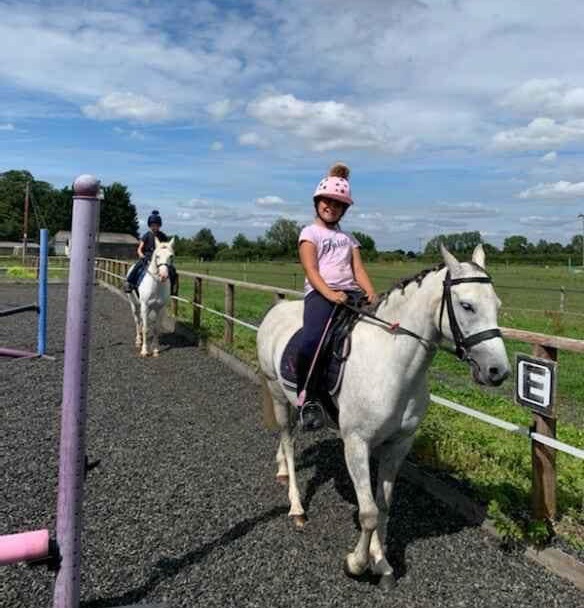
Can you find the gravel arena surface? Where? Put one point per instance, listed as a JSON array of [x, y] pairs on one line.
[[184, 508]]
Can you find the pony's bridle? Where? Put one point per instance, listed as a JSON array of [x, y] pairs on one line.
[[462, 344]]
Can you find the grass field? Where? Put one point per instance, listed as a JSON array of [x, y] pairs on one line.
[[494, 464]]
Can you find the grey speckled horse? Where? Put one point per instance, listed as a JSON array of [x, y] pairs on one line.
[[384, 394]]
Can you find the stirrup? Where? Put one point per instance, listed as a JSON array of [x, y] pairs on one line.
[[311, 415]]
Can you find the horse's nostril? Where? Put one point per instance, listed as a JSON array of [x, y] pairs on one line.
[[493, 371]]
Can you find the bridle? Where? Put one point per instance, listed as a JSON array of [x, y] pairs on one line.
[[159, 266], [462, 343]]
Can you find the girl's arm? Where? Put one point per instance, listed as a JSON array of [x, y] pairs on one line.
[[361, 276], [140, 249], [309, 261]]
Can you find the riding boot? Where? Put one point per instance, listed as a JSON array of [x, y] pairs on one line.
[[174, 287], [311, 412], [130, 282]]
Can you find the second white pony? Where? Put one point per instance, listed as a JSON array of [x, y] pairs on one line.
[[149, 304]]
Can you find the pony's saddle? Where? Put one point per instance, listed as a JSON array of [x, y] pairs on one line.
[[328, 373]]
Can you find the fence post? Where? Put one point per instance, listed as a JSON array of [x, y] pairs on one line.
[[197, 299], [278, 297], [543, 457], [562, 299], [229, 310], [173, 300]]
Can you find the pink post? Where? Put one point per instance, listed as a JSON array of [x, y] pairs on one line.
[[26, 546]]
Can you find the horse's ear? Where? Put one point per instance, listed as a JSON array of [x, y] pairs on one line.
[[156, 242], [451, 262], [171, 242], [478, 255]]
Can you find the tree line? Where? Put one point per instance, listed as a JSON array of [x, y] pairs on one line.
[[515, 246], [52, 208], [280, 241]]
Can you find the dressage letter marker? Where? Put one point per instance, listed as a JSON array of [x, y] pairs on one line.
[[535, 382]]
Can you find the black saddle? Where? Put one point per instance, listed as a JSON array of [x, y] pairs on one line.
[[328, 373]]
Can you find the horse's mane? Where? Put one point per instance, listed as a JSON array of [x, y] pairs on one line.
[[401, 284]]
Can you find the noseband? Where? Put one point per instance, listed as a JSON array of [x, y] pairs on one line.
[[461, 343]]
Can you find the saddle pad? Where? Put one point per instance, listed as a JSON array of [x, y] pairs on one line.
[[333, 374]]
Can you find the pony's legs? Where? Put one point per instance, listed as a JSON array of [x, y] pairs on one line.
[[285, 455], [155, 331], [144, 315], [282, 474], [357, 459], [136, 314], [391, 456]]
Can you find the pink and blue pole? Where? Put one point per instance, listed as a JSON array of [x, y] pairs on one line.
[[74, 405]]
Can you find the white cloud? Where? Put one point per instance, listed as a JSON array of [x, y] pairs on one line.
[[220, 109], [269, 201], [551, 97], [550, 157], [127, 106], [466, 209], [539, 134], [545, 221], [216, 146], [184, 215], [7, 127], [324, 125], [254, 140], [557, 190]]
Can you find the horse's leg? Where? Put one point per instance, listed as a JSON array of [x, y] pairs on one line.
[[391, 455], [282, 474], [136, 314], [155, 332], [144, 315], [357, 459], [285, 456]]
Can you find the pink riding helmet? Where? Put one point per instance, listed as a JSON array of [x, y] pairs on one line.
[[335, 185]]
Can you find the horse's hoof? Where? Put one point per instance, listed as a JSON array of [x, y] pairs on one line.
[[387, 583], [143, 355], [299, 521], [155, 353], [282, 480], [352, 567]]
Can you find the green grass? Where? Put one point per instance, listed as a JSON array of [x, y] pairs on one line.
[[495, 464]]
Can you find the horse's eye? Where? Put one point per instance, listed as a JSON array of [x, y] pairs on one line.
[[467, 306]]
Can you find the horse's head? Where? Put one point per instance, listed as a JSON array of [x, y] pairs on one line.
[[467, 316], [163, 257]]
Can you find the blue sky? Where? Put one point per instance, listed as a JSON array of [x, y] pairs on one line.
[[453, 115]]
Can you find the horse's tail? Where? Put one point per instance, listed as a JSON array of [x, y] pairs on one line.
[[269, 416]]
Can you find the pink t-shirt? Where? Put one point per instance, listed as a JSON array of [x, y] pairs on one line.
[[334, 251]]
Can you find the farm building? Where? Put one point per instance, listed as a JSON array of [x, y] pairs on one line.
[[109, 244]]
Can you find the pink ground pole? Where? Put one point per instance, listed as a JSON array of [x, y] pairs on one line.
[[26, 546]]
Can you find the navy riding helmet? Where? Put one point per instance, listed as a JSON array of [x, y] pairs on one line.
[[154, 218]]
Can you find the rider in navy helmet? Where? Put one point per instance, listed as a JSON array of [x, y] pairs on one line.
[[145, 249]]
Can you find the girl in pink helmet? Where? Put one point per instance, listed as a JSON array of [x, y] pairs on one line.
[[334, 270]]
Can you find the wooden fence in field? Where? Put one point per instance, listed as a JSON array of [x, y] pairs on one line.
[[542, 433]]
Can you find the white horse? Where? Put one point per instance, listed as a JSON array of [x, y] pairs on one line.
[[384, 394], [153, 296]]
